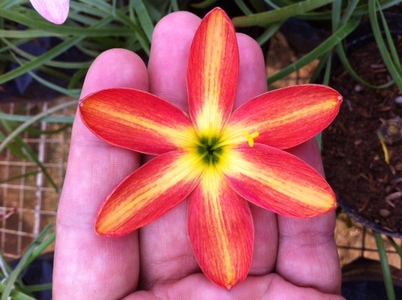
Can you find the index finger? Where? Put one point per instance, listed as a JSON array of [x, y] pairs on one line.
[[87, 264]]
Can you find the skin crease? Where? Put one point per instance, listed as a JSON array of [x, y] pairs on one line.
[[292, 257]]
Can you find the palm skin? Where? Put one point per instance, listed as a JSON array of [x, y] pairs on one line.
[[292, 257]]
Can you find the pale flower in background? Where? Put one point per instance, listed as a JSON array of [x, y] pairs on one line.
[[55, 11]]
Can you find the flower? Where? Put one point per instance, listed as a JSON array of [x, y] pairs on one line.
[[55, 11], [215, 157]]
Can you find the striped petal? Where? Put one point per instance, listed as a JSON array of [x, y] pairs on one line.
[[278, 181], [286, 117], [136, 120], [212, 73], [55, 11], [221, 230], [148, 193]]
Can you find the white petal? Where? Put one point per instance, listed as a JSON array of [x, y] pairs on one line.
[[55, 11]]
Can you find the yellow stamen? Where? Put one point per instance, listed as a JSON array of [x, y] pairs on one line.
[[251, 137]]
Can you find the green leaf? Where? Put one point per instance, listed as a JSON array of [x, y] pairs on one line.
[[392, 66], [25, 175], [204, 4], [39, 244], [395, 245], [266, 18], [49, 119], [324, 48], [345, 62], [33, 120], [143, 16], [389, 286], [269, 32], [243, 7], [25, 17], [49, 55]]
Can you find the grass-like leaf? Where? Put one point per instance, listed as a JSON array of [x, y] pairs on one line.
[[398, 249], [144, 18], [266, 18], [392, 65], [385, 266], [324, 48], [48, 119], [39, 244], [25, 175], [33, 120], [204, 4]]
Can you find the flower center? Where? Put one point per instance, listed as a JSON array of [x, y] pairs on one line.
[[210, 150]]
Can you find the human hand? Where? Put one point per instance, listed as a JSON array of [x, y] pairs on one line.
[[292, 257]]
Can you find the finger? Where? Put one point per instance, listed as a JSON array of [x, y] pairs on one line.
[[165, 251], [252, 82], [307, 253], [87, 264], [170, 50]]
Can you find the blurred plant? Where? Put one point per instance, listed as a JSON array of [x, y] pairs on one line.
[[91, 28], [94, 26], [34, 51], [12, 285], [38, 56], [341, 18]]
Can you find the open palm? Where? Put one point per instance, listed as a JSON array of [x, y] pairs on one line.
[[292, 257]]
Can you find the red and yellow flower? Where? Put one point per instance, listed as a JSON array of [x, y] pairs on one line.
[[213, 156]]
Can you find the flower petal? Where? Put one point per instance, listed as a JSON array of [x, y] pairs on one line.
[[278, 181], [148, 193], [213, 73], [286, 117], [221, 230], [136, 120], [55, 11]]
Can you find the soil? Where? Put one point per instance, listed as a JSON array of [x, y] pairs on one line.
[[353, 156]]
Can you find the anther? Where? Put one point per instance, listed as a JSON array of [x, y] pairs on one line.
[[251, 137]]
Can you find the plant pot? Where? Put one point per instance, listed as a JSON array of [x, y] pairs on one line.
[[368, 189], [362, 279]]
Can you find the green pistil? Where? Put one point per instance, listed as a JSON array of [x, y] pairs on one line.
[[209, 149]]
